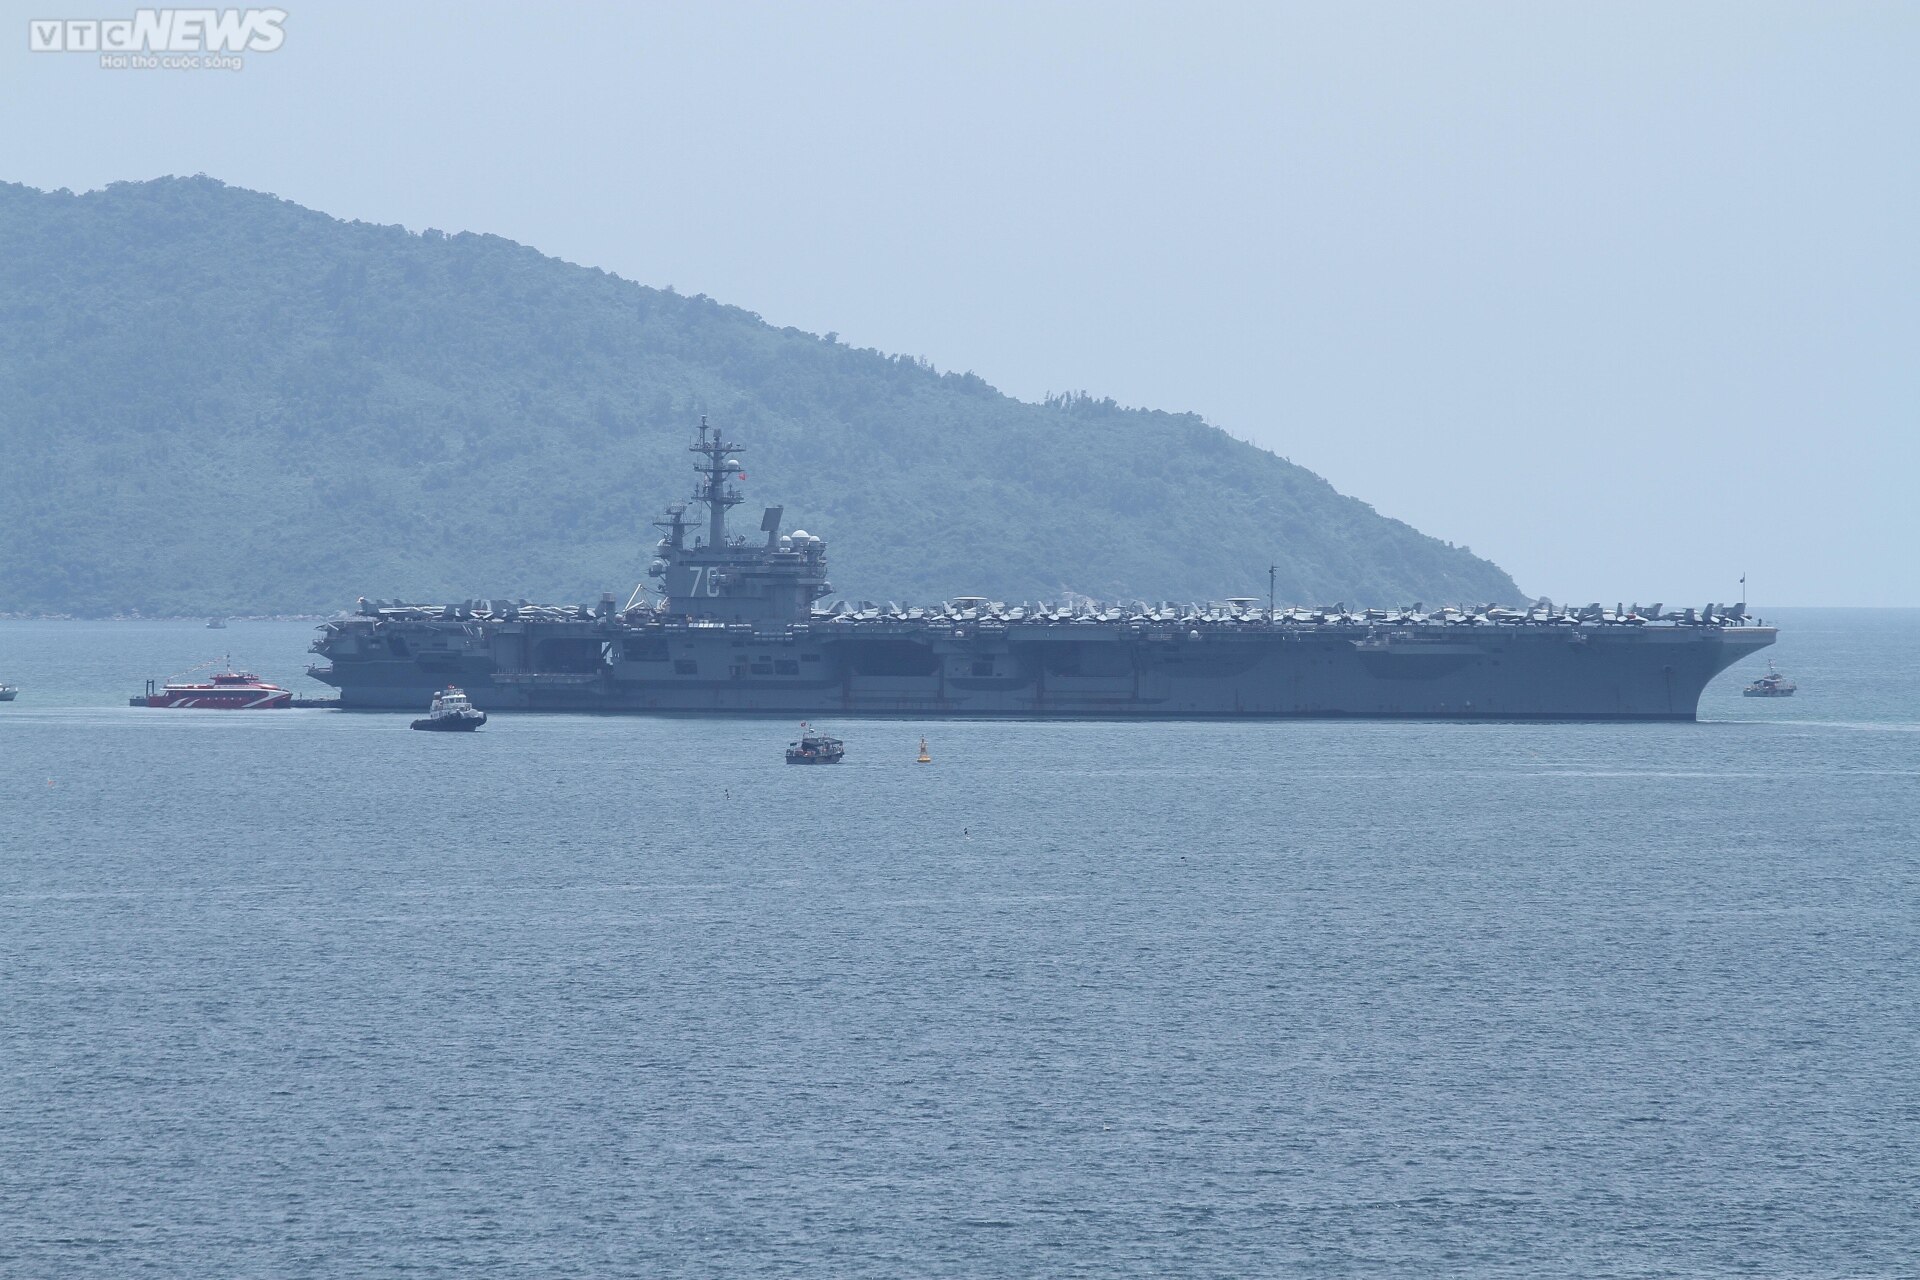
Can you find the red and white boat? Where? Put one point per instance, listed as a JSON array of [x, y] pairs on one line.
[[224, 691]]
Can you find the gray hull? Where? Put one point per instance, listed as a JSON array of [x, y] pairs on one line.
[[1072, 670]]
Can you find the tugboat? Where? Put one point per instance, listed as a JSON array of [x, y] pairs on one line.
[[1770, 685], [452, 712], [228, 690], [814, 747]]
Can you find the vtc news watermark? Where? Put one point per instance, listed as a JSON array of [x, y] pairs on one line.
[[170, 39]]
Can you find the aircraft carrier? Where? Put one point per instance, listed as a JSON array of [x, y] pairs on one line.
[[738, 627]]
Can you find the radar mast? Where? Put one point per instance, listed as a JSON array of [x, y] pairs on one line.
[[722, 464]]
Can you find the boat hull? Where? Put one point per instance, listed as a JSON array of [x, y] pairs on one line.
[[451, 724], [218, 701]]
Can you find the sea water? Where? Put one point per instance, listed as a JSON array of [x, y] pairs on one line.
[[302, 993]]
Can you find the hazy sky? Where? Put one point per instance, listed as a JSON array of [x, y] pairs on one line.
[[1625, 297]]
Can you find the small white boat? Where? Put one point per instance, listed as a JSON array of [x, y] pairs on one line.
[[1770, 685], [452, 712]]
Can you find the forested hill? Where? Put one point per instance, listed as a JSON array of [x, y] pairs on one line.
[[212, 400]]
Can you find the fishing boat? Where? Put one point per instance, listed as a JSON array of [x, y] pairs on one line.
[[452, 712], [1770, 685], [815, 747]]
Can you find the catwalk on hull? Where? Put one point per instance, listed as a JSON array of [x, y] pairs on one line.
[[739, 628]]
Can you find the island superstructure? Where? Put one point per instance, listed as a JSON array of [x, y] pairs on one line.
[[739, 627]]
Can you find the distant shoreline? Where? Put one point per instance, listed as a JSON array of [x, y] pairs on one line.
[[327, 617], [155, 617]]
